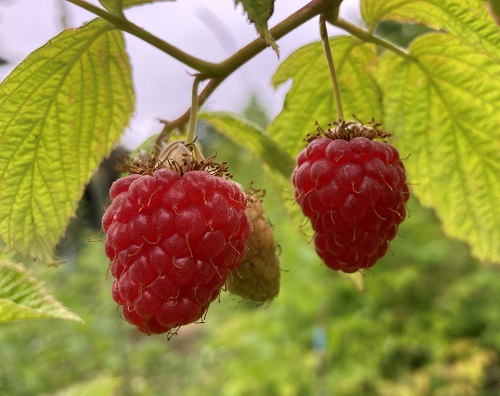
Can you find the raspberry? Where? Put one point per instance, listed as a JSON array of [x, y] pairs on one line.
[[353, 190], [172, 240], [257, 279]]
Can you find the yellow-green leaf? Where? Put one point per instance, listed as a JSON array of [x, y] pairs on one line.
[[23, 297], [467, 19], [311, 97], [444, 111], [62, 110]]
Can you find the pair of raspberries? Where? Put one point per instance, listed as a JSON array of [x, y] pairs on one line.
[[175, 238]]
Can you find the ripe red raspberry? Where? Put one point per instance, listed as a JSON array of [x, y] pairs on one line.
[[172, 241], [354, 191]]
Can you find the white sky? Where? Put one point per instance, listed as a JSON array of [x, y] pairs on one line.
[[211, 30]]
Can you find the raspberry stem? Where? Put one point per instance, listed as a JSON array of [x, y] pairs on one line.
[[193, 118], [179, 122], [331, 66]]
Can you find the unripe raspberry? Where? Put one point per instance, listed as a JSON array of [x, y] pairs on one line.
[[353, 190], [172, 240], [257, 279]]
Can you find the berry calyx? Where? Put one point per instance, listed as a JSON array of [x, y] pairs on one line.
[[354, 191], [173, 235]]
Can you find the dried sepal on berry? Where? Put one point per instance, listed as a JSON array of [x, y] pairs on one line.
[[354, 191], [179, 156], [348, 130], [257, 279]]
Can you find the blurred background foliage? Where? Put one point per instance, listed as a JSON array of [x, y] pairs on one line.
[[426, 322]]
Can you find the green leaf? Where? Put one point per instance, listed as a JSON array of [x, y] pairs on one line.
[[445, 113], [259, 11], [23, 297], [311, 100], [467, 19], [116, 6], [62, 110], [252, 138]]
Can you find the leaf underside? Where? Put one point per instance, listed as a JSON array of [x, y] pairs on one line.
[[468, 20], [23, 297], [62, 110], [445, 113]]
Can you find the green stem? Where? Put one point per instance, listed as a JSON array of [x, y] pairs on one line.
[[180, 121], [129, 27], [331, 66], [193, 118], [363, 35]]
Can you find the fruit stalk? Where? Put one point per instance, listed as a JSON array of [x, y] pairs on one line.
[[331, 66], [179, 122], [191, 135]]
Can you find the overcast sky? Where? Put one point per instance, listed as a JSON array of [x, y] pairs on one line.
[[211, 30]]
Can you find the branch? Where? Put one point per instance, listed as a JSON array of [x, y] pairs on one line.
[[129, 27], [309, 11], [231, 64], [226, 67]]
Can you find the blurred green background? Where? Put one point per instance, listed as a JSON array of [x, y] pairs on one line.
[[426, 323]]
